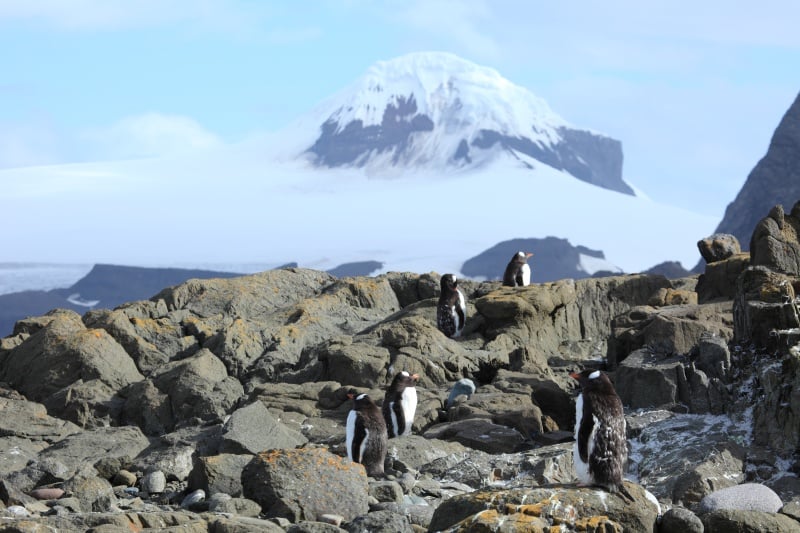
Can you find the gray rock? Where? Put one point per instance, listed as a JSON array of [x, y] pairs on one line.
[[303, 484], [93, 493], [747, 521], [88, 447], [219, 474], [721, 470], [680, 520], [479, 434], [63, 352], [744, 497], [154, 482], [314, 527], [238, 506], [252, 429], [195, 387], [521, 508], [380, 521], [718, 282], [774, 243], [386, 491], [718, 247]]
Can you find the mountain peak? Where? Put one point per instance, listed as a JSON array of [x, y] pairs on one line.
[[437, 111]]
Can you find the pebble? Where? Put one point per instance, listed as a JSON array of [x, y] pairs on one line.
[[17, 510], [154, 482], [124, 477], [47, 493]]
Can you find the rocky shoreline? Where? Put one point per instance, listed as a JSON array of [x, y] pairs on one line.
[[219, 405]]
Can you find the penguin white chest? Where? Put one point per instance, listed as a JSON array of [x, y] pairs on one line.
[[350, 435], [581, 466], [526, 275], [408, 401]]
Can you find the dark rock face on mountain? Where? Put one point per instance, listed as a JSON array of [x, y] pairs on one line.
[[592, 158], [219, 405], [553, 259], [775, 180]]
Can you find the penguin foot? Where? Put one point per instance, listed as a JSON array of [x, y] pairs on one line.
[[623, 493]]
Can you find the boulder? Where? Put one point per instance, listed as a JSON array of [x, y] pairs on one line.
[[304, 484], [672, 330], [480, 434], [219, 474], [718, 247], [744, 497], [63, 352], [197, 387], [765, 306], [755, 521], [774, 243], [68, 456], [718, 281], [252, 429], [380, 521], [680, 520], [146, 332], [525, 509]]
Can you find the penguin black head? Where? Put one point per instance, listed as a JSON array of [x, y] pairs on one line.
[[593, 381], [360, 401], [404, 379], [449, 283], [521, 257]]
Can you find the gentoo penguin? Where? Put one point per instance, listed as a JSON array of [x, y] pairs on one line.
[[451, 313], [366, 439], [518, 272], [600, 451], [400, 404]]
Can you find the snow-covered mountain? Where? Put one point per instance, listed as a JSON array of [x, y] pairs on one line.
[[265, 202], [436, 111]]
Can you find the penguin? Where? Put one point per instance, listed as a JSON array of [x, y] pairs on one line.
[[451, 313], [600, 451], [366, 439], [400, 404], [518, 272]]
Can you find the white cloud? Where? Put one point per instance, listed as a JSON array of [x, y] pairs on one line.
[[34, 142], [149, 135]]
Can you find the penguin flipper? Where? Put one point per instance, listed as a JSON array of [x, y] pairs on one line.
[[357, 447], [585, 435]]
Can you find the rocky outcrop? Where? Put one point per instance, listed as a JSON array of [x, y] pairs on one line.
[[774, 180], [230, 395]]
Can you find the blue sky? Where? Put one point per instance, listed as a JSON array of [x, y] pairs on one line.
[[694, 90]]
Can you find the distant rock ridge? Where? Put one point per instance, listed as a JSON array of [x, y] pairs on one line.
[[774, 180], [435, 111], [553, 259]]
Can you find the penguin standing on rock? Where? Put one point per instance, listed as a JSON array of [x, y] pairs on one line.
[[600, 451], [518, 272], [451, 313], [400, 404], [366, 439]]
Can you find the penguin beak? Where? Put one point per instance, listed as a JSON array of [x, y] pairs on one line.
[[575, 375], [351, 395], [415, 377], [529, 254]]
